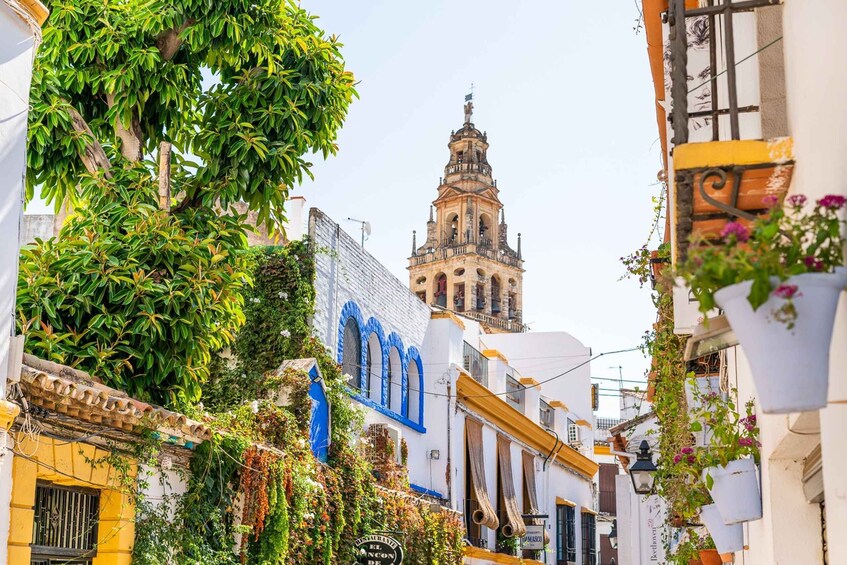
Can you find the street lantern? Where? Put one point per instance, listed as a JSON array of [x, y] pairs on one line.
[[642, 471], [613, 535]]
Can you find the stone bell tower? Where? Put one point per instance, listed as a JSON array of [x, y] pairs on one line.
[[466, 265]]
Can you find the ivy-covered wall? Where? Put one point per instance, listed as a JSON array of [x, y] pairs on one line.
[[257, 487]]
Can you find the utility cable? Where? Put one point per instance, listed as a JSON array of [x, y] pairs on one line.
[[753, 54]]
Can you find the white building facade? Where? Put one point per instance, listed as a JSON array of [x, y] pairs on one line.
[[484, 437]]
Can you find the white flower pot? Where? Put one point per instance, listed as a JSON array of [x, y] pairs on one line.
[[790, 366], [735, 490], [728, 539]]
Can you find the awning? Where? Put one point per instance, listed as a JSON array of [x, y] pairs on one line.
[[531, 489], [485, 514], [514, 525]]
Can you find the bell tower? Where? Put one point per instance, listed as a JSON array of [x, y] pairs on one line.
[[466, 264]]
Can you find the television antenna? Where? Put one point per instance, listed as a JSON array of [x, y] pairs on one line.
[[365, 227]]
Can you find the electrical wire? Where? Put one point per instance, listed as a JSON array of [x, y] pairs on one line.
[[753, 54]]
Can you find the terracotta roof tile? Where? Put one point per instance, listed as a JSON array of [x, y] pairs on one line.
[[75, 393]]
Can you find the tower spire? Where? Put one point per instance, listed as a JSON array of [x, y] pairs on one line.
[[414, 243]]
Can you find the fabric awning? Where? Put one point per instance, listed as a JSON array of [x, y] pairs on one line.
[[514, 525], [531, 489], [485, 514]]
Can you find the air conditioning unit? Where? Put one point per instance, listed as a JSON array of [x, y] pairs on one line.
[[573, 436]]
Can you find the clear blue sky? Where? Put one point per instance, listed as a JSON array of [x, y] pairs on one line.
[[563, 90]]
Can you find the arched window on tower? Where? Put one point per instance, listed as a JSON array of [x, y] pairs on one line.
[[441, 290], [460, 156], [351, 361], [453, 230], [495, 295], [484, 229]]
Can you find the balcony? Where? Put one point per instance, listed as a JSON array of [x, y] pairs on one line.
[[505, 256], [721, 110], [512, 325], [476, 364], [468, 168]]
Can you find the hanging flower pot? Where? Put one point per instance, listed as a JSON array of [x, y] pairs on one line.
[[790, 362], [727, 538], [709, 557], [735, 490]]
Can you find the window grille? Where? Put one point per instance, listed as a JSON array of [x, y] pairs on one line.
[[589, 540], [65, 524], [573, 432], [546, 415], [565, 535], [351, 362], [514, 392]]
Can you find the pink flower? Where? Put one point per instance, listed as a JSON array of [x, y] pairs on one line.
[[796, 200], [687, 450], [770, 200], [785, 291], [677, 459], [691, 459], [832, 201], [737, 229], [746, 442], [813, 263]]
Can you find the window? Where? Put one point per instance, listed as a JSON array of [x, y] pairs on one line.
[[415, 391], [565, 535], [460, 156], [589, 539], [372, 386], [351, 359], [545, 415], [441, 290], [495, 295], [65, 524], [395, 385], [514, 392]]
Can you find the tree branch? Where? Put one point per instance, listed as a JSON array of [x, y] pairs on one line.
[[93, 157], [168, 42], [165, 176], [130, 138]]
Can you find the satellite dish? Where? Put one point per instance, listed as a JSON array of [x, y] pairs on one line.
[[367, 227]]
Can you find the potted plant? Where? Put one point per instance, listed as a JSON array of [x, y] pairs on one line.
[[778, 283], [729, 461], [706, 551], [728, 538]]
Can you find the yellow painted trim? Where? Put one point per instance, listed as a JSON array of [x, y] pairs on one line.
[[8, 412], [529, 381], [445, 315], [479, 553], [585, 510], [71, 464], [502, 415], [602, 450], [558, 404], [585, 423], [565, 502], [736, 152], [35, 9], [494, 354]]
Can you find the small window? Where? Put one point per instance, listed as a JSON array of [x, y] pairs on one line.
[[589, 539], [65, 524], [514, 392], [460, 156], [545, 415]]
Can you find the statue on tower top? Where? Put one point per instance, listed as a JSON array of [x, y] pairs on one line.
[[469, 106]]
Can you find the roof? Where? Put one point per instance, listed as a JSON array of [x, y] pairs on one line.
[[624, 426], [77, 394]]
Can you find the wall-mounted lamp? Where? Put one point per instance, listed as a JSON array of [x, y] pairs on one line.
[[642, 471], [435, 454]]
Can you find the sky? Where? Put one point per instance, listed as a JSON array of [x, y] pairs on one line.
[[563, 90]]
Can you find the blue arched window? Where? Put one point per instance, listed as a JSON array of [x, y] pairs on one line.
[[415, 387]]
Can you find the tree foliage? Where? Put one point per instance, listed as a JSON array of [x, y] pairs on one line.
[[150, 119]]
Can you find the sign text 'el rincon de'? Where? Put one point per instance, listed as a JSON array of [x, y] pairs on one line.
[[377, 549]]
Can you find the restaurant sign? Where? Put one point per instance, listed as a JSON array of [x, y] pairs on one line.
[[378, 549]]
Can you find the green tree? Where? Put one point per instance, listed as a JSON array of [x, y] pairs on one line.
[[151, 119]]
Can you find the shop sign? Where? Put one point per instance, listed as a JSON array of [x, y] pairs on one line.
[[378, 549], [534, 538]]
